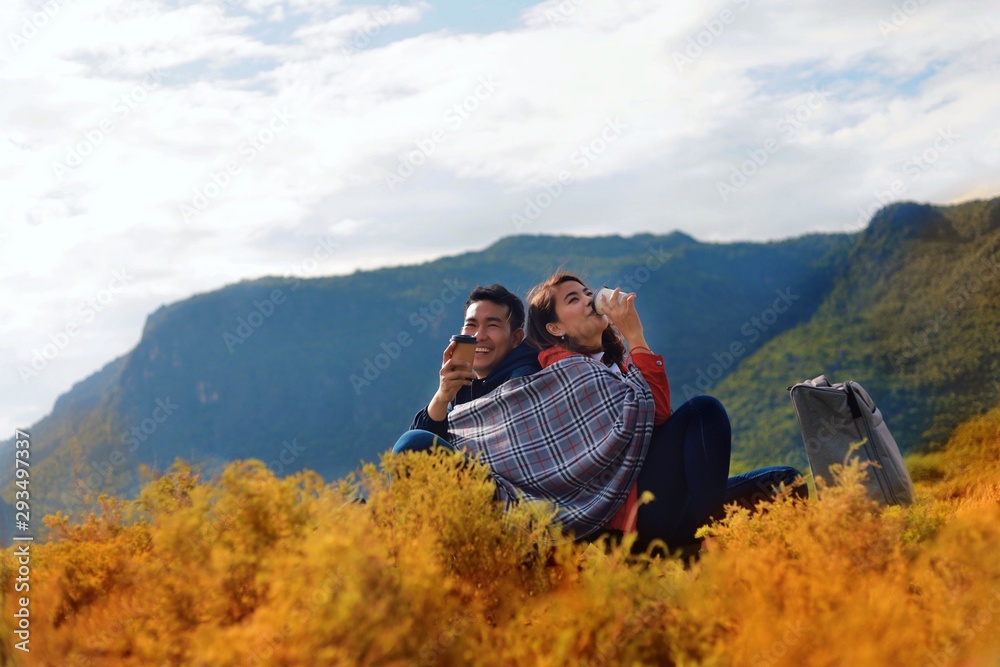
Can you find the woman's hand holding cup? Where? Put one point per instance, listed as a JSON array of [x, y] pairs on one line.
[[620, 311]]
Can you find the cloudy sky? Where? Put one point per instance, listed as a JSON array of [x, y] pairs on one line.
[[153, 149]]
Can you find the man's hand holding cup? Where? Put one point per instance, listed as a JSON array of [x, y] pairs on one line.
[[456, 372]]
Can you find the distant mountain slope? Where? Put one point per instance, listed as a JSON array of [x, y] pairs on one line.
[[323, 373], [915, 318]]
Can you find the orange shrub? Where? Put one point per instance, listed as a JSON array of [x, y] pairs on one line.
[[249, 569]]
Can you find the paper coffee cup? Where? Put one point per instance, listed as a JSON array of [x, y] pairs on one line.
[[465, 348], [608, 293]]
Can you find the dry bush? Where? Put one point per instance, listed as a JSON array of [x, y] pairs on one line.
[[249, 569]]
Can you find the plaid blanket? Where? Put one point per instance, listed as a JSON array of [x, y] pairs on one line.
[[575, 434]]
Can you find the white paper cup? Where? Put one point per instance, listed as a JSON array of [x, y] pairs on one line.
[[608, 293]]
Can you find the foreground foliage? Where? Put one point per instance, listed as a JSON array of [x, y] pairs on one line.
[[249, 569]]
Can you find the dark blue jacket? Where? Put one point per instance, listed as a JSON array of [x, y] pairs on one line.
[[521, 361]]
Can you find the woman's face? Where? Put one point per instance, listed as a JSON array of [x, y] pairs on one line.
[[575, 317]]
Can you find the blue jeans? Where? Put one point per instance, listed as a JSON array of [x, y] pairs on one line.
[[419, 441], [687, 469]]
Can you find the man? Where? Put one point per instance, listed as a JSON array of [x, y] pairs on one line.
[[495, 316]]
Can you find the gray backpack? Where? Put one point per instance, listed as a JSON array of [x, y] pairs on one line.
[[832, 418]]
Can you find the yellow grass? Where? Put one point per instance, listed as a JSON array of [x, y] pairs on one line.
[[253, 570]]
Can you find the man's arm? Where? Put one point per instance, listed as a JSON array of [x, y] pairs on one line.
[[454, 375], [423, 421]]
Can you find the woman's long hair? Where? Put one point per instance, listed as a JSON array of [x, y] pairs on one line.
[[542, 311]]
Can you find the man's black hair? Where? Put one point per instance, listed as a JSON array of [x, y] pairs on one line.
[[499, 294]]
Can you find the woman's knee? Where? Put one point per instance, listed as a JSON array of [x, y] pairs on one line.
[[711, 416], [751, 488], [707, 406], [786, 474]]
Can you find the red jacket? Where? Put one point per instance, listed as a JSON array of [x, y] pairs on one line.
[[655, 375]]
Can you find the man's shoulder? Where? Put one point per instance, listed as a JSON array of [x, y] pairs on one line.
[[524, 371], [519, 362]]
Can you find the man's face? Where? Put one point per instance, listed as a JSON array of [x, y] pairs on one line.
[[490, 323]]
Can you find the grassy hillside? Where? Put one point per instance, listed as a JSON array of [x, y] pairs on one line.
[[915, 318], [249, 569], [321, 374]]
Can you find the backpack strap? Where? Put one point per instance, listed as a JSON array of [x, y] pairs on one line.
[[852, 401]]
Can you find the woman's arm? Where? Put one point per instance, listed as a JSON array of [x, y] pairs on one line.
[[624, 316], [653, 371]]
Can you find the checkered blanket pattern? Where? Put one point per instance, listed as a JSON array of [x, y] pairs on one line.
[[574, 434]]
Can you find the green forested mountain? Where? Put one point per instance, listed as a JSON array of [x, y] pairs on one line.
[[915, 317], [324, 373]]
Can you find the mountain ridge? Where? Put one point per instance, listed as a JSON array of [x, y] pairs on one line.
[[306, 373]]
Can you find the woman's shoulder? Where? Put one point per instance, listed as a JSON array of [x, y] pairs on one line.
[[582, 367], [551, 355]]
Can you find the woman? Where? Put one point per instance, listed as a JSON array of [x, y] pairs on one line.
[[685, 463]]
